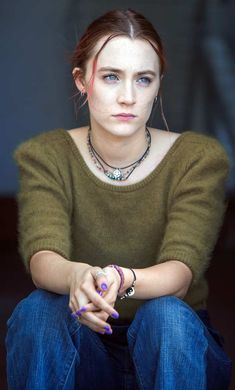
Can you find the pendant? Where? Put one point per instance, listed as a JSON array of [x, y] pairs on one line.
[[117, 174], [129, 292]]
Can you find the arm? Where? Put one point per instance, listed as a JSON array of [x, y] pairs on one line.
[[50, 271], [45, 233], [169, 278], [195, 215]]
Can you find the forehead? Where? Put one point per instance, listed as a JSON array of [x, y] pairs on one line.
[[126, 53]]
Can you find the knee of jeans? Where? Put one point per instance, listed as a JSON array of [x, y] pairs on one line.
[[164, 311], [167, 317], [39, 306]]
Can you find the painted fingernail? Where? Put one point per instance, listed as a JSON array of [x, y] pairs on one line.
[[108, 331], [101, 332], [80, 311], [104, 286], [74, 315], [115, 315], [99, 292]]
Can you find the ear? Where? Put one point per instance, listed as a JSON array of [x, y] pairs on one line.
[[78, 79]]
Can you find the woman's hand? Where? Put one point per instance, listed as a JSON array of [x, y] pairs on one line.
[[86, 301]]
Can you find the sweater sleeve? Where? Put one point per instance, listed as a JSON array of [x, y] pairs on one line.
[[197, 209], [43, 207]]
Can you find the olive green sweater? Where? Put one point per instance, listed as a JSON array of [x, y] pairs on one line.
[[176, 212]]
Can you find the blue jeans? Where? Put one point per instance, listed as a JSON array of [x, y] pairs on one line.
[[167, 346]]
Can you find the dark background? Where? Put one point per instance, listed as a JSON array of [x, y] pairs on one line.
[[36, 41]]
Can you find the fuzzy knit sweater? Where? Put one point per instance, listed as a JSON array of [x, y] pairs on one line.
[[176, 212]]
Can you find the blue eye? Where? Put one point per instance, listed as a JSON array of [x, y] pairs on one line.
[[145, 80], [110, 77]]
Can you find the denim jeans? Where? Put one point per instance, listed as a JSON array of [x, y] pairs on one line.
[[167, 346]]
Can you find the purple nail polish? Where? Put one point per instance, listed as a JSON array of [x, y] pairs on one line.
[[107, 327], [99, 292], [74, 315], [115, 315], [83, 308], [104, 286], [108, 331]]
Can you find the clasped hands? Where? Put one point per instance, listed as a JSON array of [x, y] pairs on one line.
[[93, 295]]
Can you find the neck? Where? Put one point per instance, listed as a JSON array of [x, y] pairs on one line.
[[118, 150]]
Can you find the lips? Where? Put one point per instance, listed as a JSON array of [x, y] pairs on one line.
[[128, 115]]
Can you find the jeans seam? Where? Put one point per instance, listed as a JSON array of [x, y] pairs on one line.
[[69, 370], [139, 375], [215, 347]]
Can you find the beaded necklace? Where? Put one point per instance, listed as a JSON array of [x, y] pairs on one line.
[[116, 173]]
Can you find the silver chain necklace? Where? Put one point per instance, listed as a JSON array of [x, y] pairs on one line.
[[116, 173]]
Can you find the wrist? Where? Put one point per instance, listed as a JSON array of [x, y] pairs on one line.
[[78, 269], [128, 279], [117, 271]]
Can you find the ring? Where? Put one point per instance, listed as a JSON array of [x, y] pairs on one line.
[[102, 272]]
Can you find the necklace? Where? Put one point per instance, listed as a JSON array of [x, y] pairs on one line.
[[117, 173]]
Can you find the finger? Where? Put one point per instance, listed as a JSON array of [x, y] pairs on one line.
[[99, 302], [101, 279], [95, 322], [77, 303]]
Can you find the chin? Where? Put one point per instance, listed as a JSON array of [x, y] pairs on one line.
[[123, 130]]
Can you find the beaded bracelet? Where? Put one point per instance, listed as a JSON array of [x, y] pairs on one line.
[[121, 274], [130, 290]]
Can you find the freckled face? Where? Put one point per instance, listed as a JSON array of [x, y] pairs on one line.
[[126, 82]]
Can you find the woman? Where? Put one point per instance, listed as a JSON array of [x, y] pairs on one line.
[[117, 223]]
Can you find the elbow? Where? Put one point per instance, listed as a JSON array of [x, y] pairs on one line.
[[181, 293], [36, 283], [185, 279], [35, 269]]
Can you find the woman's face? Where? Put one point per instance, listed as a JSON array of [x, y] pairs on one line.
[[126, 81]]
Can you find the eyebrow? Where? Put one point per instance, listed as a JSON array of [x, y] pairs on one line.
[[110, 69]]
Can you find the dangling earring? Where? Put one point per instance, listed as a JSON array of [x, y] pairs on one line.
[[155, 99], [162, 113]]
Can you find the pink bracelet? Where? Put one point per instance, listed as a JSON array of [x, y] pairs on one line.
[[121, 274]]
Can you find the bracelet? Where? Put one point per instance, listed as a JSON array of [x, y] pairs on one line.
[[130, 290], [121, 274]]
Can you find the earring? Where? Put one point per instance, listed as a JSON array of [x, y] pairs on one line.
[[155, 99]]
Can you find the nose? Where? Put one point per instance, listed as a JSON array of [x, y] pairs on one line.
[[127, 94]]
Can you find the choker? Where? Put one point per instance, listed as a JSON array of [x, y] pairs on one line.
[[116, 173]]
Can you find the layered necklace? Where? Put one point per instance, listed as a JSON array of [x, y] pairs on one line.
[[116, 173]]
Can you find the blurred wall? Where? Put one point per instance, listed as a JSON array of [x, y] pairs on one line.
[[37, 39]]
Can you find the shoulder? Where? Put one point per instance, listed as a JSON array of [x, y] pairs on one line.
[[41, 143], [204, 157], [202, 141], [196, 150], [42, 138], [194, 142], [208, 147]]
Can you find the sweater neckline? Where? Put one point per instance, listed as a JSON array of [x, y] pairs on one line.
[[129, 187]]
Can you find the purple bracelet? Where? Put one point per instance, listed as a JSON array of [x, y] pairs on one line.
[[121, 274]]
